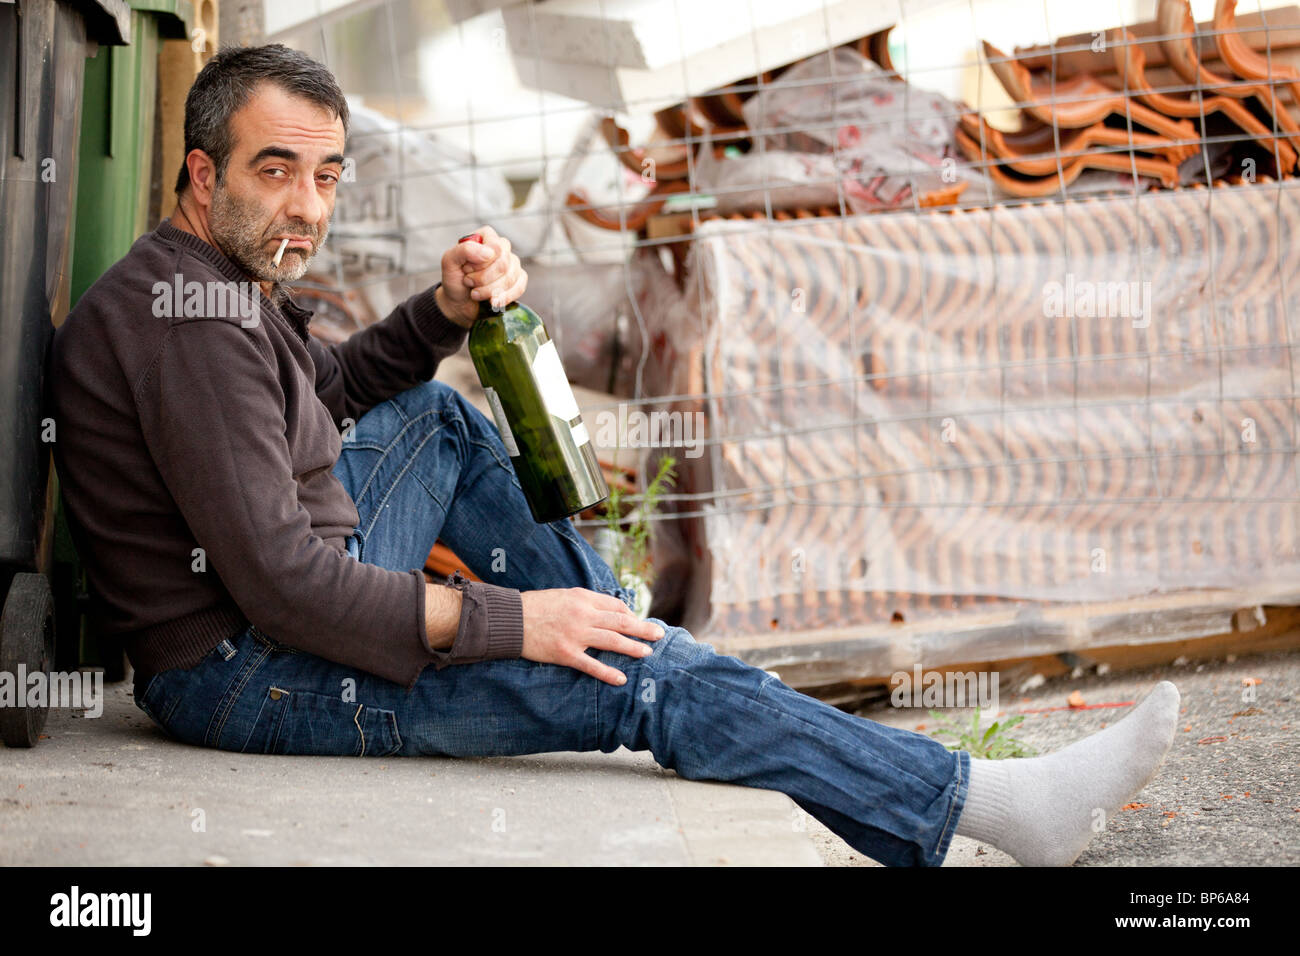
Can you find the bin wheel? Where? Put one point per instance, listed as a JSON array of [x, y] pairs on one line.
[[26, 641]]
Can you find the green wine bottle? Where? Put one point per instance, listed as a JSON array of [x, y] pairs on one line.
[[535, 411]]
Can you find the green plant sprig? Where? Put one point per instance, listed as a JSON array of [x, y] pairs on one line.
[[634, 542], [991, 744]]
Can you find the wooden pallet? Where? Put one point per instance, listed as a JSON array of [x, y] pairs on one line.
[[1042, 638]]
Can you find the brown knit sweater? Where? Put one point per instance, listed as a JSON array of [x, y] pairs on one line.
[[197, 427]]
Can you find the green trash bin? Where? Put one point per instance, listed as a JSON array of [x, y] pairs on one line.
[[117, 139], [114, 171]]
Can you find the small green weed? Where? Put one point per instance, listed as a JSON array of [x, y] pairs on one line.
[[632, 556], [991, 744]]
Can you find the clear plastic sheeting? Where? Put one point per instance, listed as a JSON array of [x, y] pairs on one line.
[[836, 130], [928, 414]]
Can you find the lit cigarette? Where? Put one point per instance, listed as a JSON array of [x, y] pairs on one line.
[[280, 252]]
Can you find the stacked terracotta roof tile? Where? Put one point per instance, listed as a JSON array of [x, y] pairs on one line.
[[1167, 103], [948, 427]]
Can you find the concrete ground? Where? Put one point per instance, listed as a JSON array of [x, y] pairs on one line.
[[1227, 794], [115, 790]]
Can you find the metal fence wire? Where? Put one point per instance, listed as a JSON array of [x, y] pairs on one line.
[[982, 356]]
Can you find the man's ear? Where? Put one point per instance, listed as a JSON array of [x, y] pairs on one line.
[[203, 176]]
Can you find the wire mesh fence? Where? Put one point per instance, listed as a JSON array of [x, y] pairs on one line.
[[960, 353]]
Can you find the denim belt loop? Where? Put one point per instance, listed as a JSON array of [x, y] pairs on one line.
[[354, 546]]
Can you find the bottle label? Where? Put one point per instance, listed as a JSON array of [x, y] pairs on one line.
[[503, 426], [552, 383], [580, 436]]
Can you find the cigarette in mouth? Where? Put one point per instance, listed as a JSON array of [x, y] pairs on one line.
[[280, 252]]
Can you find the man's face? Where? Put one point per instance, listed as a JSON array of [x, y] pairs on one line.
[[279, 183]]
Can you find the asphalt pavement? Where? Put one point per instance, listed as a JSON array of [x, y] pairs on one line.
[[1227, 794]]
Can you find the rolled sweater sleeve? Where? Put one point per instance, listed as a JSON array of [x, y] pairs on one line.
[[386, 358], [212, 412]]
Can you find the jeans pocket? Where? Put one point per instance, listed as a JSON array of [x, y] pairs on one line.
[[305, 723], [142, 702], [157, 703]]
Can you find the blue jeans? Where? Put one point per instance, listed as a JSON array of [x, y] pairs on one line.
[[428, 464]]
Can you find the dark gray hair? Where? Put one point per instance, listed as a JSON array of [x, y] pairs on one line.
[[225, 84]]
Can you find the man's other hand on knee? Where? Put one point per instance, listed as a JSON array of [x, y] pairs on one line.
[[560, 624]]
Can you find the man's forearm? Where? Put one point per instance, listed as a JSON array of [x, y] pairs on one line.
[[441, 615], [467, 621]]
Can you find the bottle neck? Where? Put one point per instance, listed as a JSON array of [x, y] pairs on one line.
[[485, 310]]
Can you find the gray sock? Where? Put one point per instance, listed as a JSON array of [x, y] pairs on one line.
[[1042, 810]]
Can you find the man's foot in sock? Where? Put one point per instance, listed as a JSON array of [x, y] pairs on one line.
[[1044, 810]]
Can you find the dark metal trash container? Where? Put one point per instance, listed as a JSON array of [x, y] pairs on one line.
[[43, 47]]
